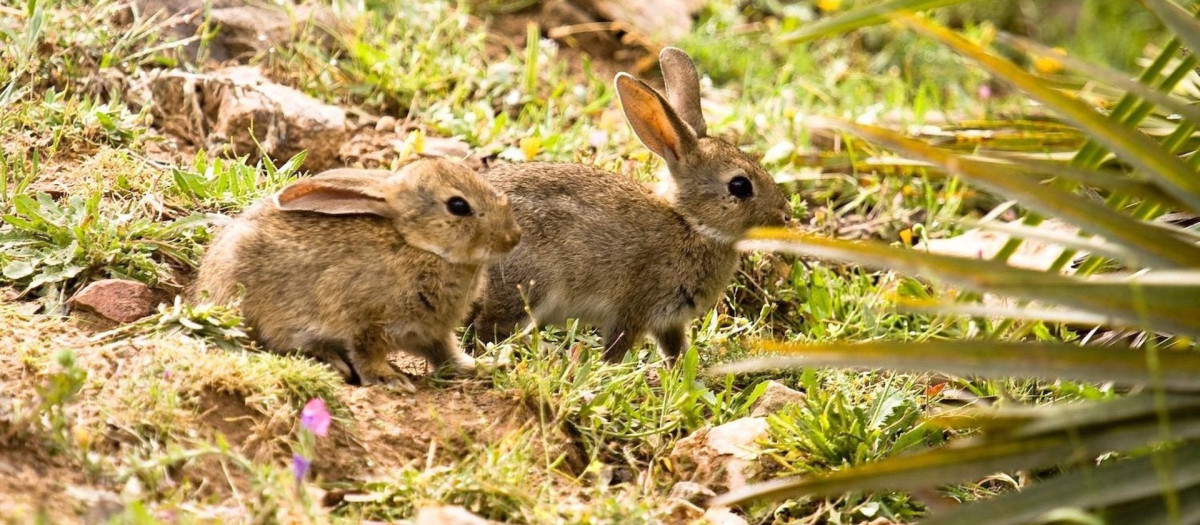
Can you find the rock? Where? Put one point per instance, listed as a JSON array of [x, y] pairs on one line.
[[448, 515], [237, 111], [445, 147], [245, 31], [663, 20], [560, 17], [119, 300], [244, 28], [97, 506], [680, 512], [722, 457], [775, 398], [385, 123], [181, 20], [723, 516], [372, 148], [691, 492]]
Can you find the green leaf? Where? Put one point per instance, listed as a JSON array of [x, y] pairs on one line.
[[1167, 508], [1179, 20], [1155, 246], [18, 269], [862, 17], [1107, 76], [972, 459], [1127, 480], [1159, 300], [1168, 170], [988, 358]]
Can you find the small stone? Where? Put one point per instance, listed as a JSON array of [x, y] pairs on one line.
[[775, 398], [448, 515], [723, 516], [691, 492], [386, 124], [681, 512], [445, 147], [722, 457], [118, 300]]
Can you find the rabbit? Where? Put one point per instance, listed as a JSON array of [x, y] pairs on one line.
[[349, 264], [610, 251]]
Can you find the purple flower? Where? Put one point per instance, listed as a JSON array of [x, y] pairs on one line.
[[597, 138], [315, 417], [300, 467]]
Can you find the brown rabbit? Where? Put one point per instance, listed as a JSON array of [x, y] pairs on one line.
[[603, 248], [351, 264]]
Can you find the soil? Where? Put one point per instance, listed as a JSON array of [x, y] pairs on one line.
[[378, 432]]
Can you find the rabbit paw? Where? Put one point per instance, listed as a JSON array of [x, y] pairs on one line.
[[462, 365], [386, 374]]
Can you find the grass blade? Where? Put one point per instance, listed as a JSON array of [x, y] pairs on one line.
[[1107, 76], [1175, 295], [1168, 170], [987, 358], [1178, 20], [1127, 480], [1076, 242], [1024, 313], [862, 17], [1184, 509], [974, 459], [1157, 248]]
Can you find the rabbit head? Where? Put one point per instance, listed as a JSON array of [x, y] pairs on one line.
[[436, 205], [713, 184]]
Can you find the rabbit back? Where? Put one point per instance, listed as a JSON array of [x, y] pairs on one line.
[[603, 248]]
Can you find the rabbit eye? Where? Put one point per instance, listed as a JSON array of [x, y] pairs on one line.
[[458, 206], [740, 187]]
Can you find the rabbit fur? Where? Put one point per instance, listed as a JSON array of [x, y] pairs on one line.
[[350, 264], [607, 250]]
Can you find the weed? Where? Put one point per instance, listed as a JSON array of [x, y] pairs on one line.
[[59, 391], [228, 185], [53, 249], [846, 420]]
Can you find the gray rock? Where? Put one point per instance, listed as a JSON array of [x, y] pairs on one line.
[[244, 28], [691, 492], [118, 300], [775, 398], [237, 111], [722, 457]]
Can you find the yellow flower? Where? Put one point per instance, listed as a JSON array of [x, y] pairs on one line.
[[829, 5], [417, 139], [906, 235], [530, 146], [1048, 64]]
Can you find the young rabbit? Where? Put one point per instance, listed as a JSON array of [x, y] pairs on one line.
[[351, 264], [603, 248]]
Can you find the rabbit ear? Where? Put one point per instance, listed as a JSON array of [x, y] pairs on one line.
[[336, 193], [683, 87], [653, 120]]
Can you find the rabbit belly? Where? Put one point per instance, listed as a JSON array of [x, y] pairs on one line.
[[559, 304]]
